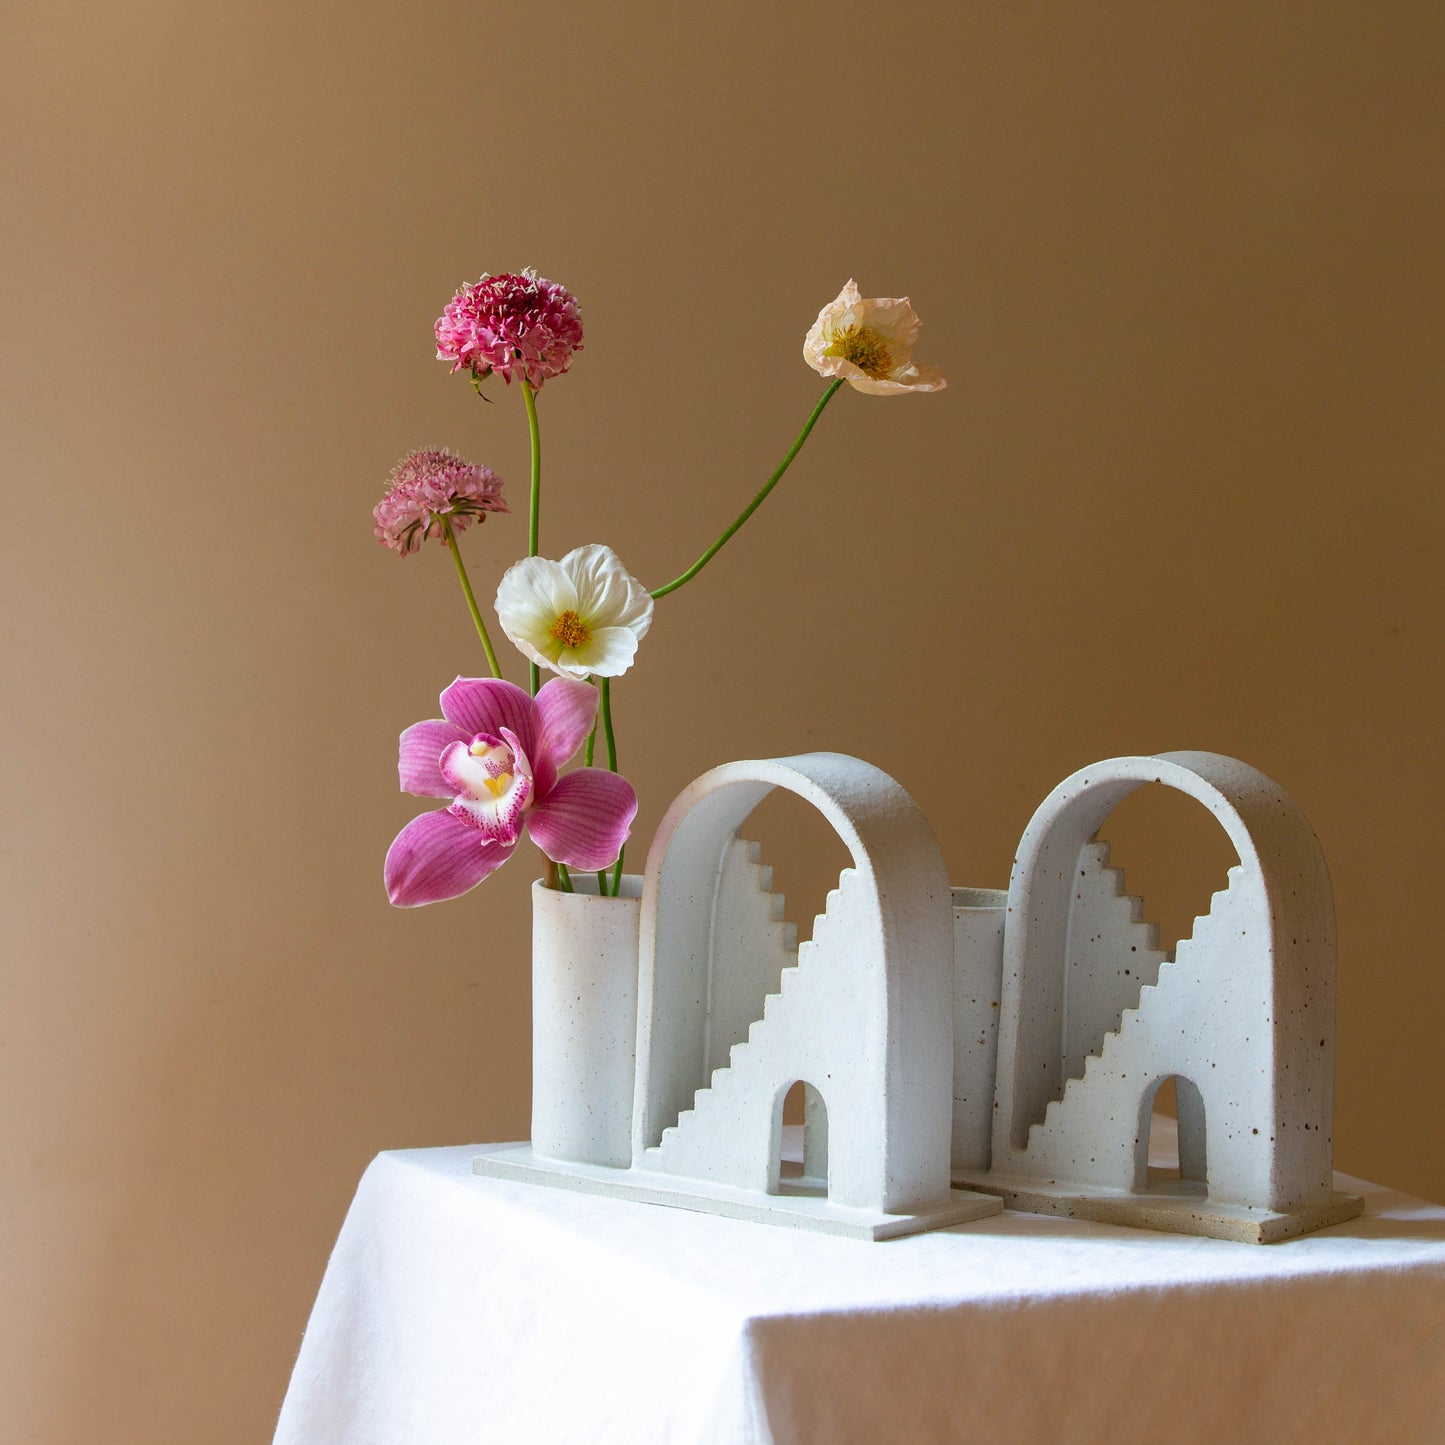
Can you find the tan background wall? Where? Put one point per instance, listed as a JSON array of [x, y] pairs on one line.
[[1182, 264]]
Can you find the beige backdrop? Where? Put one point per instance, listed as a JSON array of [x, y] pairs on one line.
[[1182, 265]]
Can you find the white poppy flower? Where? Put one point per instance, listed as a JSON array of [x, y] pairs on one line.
[[580, 617], [869, 341]]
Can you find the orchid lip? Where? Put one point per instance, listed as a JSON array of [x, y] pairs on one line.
[[493, 784], [481, 769]]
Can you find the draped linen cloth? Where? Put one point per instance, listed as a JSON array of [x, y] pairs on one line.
[[463, 1309]]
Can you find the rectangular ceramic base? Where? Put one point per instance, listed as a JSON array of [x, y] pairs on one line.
[[791, 1210], [1178, 1213]]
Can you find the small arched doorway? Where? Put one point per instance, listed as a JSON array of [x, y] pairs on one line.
[[800, 1148], [1172, 1157]]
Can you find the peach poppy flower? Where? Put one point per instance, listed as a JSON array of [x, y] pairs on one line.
[[869, 341]]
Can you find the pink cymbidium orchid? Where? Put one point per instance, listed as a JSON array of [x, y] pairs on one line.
[[495, 752]]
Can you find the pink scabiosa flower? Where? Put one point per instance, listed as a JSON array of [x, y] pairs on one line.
[[495, 753], [868, 341], [514, 324], [426, 486]]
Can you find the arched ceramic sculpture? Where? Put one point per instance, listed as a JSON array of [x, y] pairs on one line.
[[1095, 1017], [731, 1013], [1020, 1038]]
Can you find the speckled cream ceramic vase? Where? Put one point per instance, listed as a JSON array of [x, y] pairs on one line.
[[584, 1021], [979, 915]]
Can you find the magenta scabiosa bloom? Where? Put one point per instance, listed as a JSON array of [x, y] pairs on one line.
[[494, 754], [515, 325], [424, 487]]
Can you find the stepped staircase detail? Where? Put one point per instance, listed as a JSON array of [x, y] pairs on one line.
[[749, 956], [1150, 1035], [777, 1048], [1112, 952]]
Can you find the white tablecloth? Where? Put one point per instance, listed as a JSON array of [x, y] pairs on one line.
[[461, 1309]]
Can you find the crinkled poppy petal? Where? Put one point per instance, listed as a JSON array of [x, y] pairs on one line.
[[584, 821], [437, 856], [531, 596], [566, 711], [901, 383], [830, 366], [558, 659], [489, 704], [894, 318], [607, 593], [609, 652], [419, 763]]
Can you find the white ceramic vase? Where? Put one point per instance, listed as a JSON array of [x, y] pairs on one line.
[[584, 1021], [978, 923]]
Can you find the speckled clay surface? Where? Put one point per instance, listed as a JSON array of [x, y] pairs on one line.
[[584, 1021], [1013, 1042], [978, 924], [1095, 1018], [731, 1013], [862, 1012]]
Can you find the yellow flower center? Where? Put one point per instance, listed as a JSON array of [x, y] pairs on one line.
[[570, 630], [865, 348]]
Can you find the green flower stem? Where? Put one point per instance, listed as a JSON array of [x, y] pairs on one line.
[[587, 763], [481, 626], [607, 725], [757, 501], [606, 686], [530, 397], [534, 673], [592, 736], [565, 878]]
